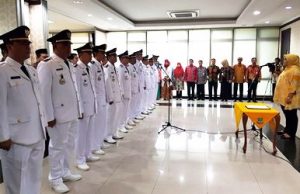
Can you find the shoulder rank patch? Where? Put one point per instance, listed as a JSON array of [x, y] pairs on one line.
[[47, 59], [59, 69]]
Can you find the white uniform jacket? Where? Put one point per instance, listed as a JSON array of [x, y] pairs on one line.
[[22, 117], [99, 81], [59, 90], [152, 77], [134, 79], [86, 87], [125, 81], [112, 85], [142, 84], [147, 74]]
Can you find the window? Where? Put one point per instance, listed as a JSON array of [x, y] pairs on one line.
[[117, 40], [136, 41], [177, 47], [221, 45], [267, 51], [157, 44], [244, 45], [199, 46]]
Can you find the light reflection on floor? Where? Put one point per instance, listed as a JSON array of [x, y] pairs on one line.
[[186, 162]]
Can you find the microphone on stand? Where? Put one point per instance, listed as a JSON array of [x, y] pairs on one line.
[[270, 65]]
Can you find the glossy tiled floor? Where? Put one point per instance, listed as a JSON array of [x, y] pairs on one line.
[[186, 163]]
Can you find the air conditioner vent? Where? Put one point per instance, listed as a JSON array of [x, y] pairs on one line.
[[183, 14]]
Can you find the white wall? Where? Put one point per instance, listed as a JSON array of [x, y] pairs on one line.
[[295, 37]]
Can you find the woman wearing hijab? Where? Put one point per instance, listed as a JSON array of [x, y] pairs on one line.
[[166, 80], [287, 94], [178, 80], [225, 77]]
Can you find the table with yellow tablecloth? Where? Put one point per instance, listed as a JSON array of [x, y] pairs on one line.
[[259, 117]]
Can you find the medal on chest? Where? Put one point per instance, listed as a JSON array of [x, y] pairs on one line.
[[99, 77], [62, 80], [85, 83]]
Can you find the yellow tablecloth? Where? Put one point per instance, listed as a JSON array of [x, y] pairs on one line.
[[259, 117]]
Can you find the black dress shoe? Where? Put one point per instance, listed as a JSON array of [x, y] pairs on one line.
[[287, 136], [280, 132]]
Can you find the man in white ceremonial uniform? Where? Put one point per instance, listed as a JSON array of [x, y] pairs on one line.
[[3, 52], [100, 129], [152, 97], [146, 91], [134, 91], [113, 97], [139, 66], [86, 86], [22, 119], [125, 86], [63, 108], [158, 67]]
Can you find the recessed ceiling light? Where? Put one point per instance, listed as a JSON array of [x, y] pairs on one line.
[[267, 22], [288, 7], [90, 15], [256, 12], [78, 2], [109, 18], [50, 22]]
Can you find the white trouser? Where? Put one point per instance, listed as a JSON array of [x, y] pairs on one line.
[[83, 140], [99, 129], [146, 100], [138, 104], [125, 112], [133, 106], [143, 100], [22, 168], [61, 148], [150, 97], [154, 93], [113, 118]]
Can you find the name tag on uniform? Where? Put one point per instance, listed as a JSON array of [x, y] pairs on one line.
[[84, 74], [98, 71], [59, 69], [15, 77], [85, 83]]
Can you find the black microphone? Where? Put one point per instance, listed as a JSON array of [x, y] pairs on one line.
[[264, 65]]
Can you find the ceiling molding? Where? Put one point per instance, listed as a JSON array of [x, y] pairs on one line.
[[290, 22], [187, 21]]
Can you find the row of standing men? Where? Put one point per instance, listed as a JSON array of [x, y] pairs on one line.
[[81, 107]]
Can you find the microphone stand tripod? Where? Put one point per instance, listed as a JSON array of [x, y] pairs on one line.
[[168, 123]]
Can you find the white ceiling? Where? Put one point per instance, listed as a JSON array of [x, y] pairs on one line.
[[149, 10], [115, 15]]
